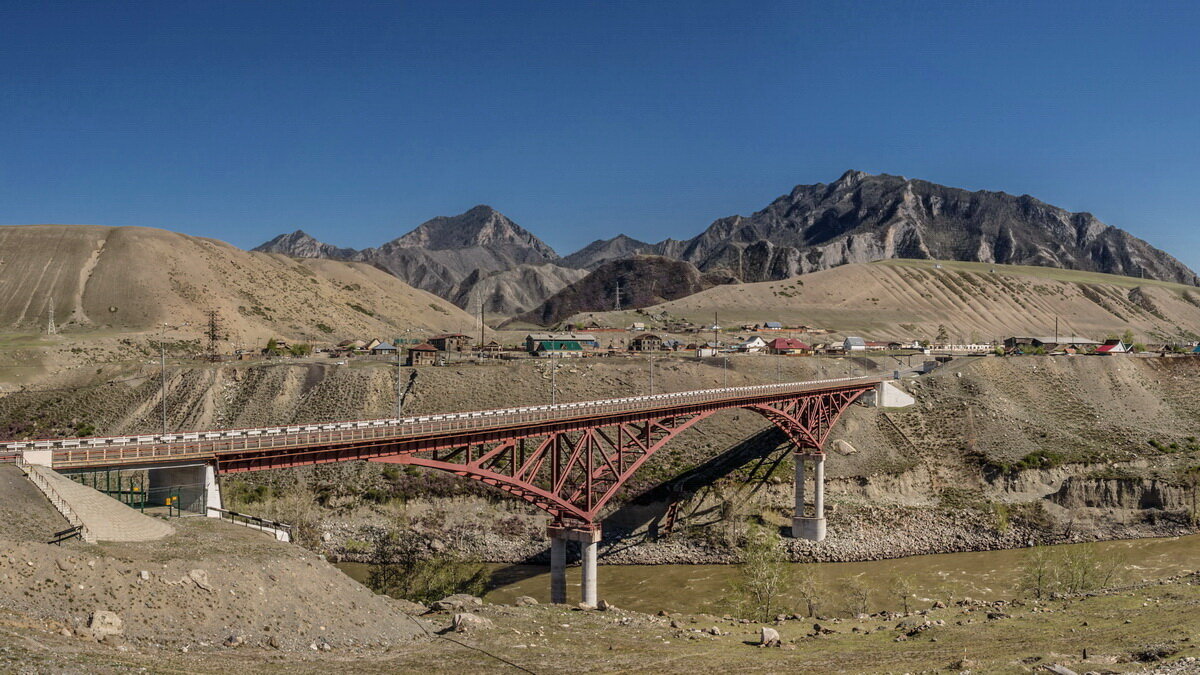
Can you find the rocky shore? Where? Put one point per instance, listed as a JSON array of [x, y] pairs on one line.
[[855, 535]]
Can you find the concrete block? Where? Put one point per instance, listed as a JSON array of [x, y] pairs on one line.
[[812, 529]]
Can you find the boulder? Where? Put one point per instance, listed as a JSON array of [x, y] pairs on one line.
[[234, 641], [456, 601], [409, 607], [200, 578], [603, 606], [104, 623], [526, 601], [466, 621], [768, 637]]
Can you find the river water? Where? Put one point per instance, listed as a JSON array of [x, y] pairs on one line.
[[985, 575]]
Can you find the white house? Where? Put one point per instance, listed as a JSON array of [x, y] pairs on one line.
[[753, 345]]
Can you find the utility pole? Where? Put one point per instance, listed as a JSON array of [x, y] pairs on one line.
[[554, 384], [725, 370], [399, 379], [651, 373], [481, 329], [214, 335], [162, 355], [716, 327]]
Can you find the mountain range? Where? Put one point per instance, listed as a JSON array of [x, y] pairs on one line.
[[482, 258]]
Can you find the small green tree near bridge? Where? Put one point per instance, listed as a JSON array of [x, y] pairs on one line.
[[765, 575]]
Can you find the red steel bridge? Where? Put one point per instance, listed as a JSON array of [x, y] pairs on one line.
[[568, 459]]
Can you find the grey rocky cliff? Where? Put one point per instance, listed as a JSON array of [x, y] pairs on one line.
[[862, 218]]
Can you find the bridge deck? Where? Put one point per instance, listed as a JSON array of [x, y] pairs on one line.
[[78, 453]]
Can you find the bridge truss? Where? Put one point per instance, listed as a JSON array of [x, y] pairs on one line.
[[573, 473]]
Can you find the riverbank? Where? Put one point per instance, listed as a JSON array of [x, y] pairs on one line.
[[1139, 630]]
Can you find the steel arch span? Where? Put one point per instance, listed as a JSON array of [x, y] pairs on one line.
[[574, 474], [568, 459]]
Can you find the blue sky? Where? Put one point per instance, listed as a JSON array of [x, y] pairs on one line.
[[357, 121]]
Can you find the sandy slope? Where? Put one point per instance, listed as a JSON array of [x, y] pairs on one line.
[[910, 299], [134, 278]]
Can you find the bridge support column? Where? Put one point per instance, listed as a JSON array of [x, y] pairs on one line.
[[558, 569], [589, 540], [805, 526]]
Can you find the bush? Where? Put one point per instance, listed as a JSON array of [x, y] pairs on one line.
[[397, 570], [765, 575]]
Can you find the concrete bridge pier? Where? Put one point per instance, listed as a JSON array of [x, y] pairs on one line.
[[589, 542], [805, 526]]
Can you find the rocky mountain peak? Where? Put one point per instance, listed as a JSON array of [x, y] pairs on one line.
[[480, 226], [300, 244]]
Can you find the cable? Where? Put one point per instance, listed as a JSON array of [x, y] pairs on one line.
[[463, 644]]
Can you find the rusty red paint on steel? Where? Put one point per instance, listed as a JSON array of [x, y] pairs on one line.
[[569, 466], [571, 469]]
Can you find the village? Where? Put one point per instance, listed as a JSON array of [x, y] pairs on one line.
[[768, 337]]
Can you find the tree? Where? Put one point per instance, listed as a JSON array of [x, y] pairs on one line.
[[398, 570], [808, 585], [903, 587], [765, 574], [272, 347], [1038, 571], [1127, 337], [1191, 477], [857, 593], [300, 349], [943, 335]]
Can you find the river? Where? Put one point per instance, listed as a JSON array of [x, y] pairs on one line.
[[984, 575]]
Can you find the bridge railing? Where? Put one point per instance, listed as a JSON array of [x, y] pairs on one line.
[[206, 445], [60, 504]]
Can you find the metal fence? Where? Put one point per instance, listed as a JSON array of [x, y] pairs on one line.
[[74, 453]]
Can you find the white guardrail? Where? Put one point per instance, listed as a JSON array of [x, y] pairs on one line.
[[69, 452]]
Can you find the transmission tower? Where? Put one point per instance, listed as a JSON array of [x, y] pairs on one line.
[[215, 334], [51, 329], [618, 307]]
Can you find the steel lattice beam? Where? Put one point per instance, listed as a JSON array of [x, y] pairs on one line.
[[573, 474]]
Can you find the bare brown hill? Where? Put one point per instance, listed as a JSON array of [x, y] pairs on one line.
[[911, 299], [135, 279]]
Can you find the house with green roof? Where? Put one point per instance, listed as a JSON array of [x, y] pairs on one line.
[[559, 348]]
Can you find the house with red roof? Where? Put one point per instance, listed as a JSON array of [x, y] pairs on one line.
[[1113, 347], [785, 345]]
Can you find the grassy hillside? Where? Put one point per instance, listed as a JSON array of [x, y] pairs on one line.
[[129, 279], [912, 298]]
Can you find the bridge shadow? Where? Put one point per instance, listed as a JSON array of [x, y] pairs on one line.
[[648, 516], [644, 517]]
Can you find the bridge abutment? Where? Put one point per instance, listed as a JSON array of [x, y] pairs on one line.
[[192, 487], [805, 526], [589, 543]]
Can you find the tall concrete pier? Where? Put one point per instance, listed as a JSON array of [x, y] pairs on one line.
[[805, 526], [589, 542]]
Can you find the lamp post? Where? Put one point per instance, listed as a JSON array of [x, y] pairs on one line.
[[162, 367], [651, 373], [725, 371], [554, 384]]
